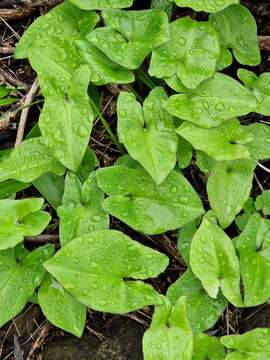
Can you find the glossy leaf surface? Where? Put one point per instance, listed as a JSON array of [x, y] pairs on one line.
[[101, 4], [207, 347], [263, 202], [206, 5], [259, 147]]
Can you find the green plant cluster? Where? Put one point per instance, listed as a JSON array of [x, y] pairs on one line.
[[192, 109]]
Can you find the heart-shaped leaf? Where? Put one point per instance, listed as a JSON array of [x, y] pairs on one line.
[[130, 36], [29, 161], [148, 208], [207, 348], [203, 311], [237, 30], [169, 336], [228, 188], [81, 211], [66, 121], [19, 281], [213, 260], [101, 4], [263, 202], [191, 53], [259, 147], [206, 5], [213, 101], [148, 132], [99, 269], [60, 308], [225, 142]]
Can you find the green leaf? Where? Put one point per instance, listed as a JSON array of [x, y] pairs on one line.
[[185, 236], [148, 132], [259, 147], [101, 4], [260, 88], [60, 308], [7, 101], [169, 336], [11, 187], [66, 121], [64, 21], [206, 5], [253, 246], [263, 202], [81, 211], [207, 347], [102, 69], [99, 269], [127, 161], [215, 100], [228, 188], [228, 141], [18, 281], [184, 153], [4, 91], [135, 199], [237, 30], [203, 311], [88, 164], [253, 345], [21, 218], [165, 5], [242, 220], [29, 161], [130, 36], [191, 53], [204, 162], [214, 262]]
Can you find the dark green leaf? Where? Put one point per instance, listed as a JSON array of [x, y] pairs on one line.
[[101, 4], [207, 348]]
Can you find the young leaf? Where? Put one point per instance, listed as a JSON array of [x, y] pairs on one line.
[[148, 132], [95, 269], [215, 100], [259, 147], [263, 202], [101, 4], [207, 348], [225, 142], [81, 211], [130, 36], [237, 30], [228, 188], [203, 311], [206, 5], [169, 336], [66, 121], [18, 281], [21, 218], [29, 161], [191, 54], [135, 199], [214, 262], [204, 162], [253, 246], [253, 345], [60, 308]]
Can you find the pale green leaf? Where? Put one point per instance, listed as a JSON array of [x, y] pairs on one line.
[[191, 53], [228, 188], [237, 30], [135, 199], [169, 336], [148, 132], [184, 153], [204, 162], [127, 161], [130, 36], [101, 4], [207, 348], [259, 147], [213, 101], [206, 5], [60, 308], [213, 260], [184, 239], [99, 269], [228, 141], [66, 121], [242, 219], [263, 202], [203, 311], [29, 161]]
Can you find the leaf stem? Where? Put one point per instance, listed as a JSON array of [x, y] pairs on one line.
[[138, 96], [145, 79]]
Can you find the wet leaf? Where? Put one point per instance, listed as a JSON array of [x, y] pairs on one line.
[[238, 31], [213, 260], [185, 236], [207, 347], [184, 153], [206, 5], [228, 141], [228, 188], [127, 161], [11, 187], [81, 211], [29, 161], [99, 269], [19, 281], [242, 219], [148, 132], [66, 121], [191, 53], [259, 147], [263, 202], [215, 100], [169, 336], [60, 308], [165, 5], [130, 36], [135, 199], [102, 4], [204, 162], [203, 311]]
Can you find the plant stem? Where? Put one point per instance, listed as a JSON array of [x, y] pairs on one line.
[[138, 96], [145, 79]]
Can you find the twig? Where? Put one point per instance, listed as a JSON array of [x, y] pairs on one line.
[[16, 13], [42, 238], [7, 49], [264, 42], [10, 27], [35, 3], [28, 99], [264, 168], [37, 344], [18, 352], [11, 79]]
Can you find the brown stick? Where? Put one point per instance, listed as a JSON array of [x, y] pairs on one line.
[[16, 14], [264, 42], [11, 79], [7, 49], [39, 341], [42, 238]]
